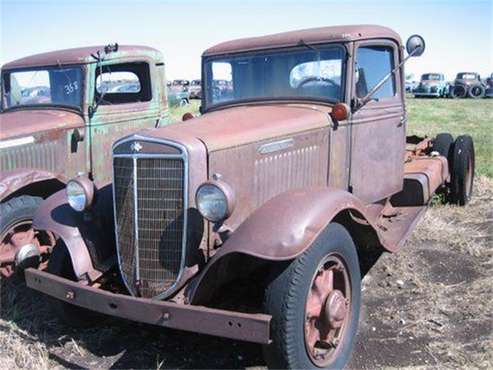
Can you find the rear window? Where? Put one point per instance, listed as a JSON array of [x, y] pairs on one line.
[[123, 83]]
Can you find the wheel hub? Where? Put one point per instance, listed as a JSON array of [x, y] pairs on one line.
[[327, 310], [335, 308], [20, 243]]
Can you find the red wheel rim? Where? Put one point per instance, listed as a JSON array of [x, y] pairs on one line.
[[327, 310], [14, 237]]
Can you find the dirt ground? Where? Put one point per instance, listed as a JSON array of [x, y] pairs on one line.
[[427, 306]]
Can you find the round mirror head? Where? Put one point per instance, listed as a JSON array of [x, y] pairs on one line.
[[415, 45]]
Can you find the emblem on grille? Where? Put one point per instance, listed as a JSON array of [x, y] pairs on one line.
[[136, 147]]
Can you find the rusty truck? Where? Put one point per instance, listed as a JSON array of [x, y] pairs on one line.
[[254, 220], [61, 111]]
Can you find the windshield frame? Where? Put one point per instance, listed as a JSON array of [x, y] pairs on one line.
[[431, 74], [284, 99], [8, 72]]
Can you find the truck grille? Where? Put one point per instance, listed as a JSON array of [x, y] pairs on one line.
[[149, 196]]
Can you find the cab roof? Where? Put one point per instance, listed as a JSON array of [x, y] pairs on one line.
[[83, 56], [308, 36]]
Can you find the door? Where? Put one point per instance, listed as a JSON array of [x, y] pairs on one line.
[[378, 128], [126, 101]]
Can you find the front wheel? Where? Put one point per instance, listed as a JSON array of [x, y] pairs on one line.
[[60, 264], [477, 91], [315, 303]]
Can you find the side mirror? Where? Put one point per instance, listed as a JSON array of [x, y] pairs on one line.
[[415, 45]]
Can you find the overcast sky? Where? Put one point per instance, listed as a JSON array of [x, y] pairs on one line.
[[458, 33]]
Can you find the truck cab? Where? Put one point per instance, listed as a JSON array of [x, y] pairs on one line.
[[61, 111], [253, 221]]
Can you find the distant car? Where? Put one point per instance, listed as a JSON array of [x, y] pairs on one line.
[[431, 85], [489, 87], [468, 84], [128, 87], [178, 97], [180, 85], [195, 89], [410, 86]]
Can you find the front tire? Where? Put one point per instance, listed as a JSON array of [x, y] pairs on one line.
[[458, 92], [16, 218], [60, 264], [315, 303], [477, 91]]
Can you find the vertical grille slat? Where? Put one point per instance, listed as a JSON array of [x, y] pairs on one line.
[[156, 217]]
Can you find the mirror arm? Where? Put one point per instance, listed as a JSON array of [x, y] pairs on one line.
[[361, 102]]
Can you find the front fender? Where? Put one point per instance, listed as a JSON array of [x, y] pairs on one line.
[[89, 239], [284, 227], [12, 181]]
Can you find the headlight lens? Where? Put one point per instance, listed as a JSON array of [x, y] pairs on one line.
[[80, 193], [212, 202]]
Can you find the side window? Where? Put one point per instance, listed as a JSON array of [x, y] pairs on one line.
[[123, 83], [372, 64]]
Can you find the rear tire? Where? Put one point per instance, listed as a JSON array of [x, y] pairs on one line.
[[462, 174], [443, 144], [290, 293], [60, 264]]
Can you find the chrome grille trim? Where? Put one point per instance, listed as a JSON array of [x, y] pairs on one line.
[[135, 156]]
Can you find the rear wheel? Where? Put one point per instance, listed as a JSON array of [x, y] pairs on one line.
[[60, 264], [314, 303], [443, 144], [462, 174]]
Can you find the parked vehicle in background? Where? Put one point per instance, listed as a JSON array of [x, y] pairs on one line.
[[195, 89], [410, 86], [253, 221], [468, 84], [431, 85], [178, 97], [489, 87], [180, 85], [61, 111]]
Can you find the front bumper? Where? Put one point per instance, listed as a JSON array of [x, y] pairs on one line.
[[199, 319], [422, 93]]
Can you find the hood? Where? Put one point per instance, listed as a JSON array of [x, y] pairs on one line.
[[246, 124], [29, 121]]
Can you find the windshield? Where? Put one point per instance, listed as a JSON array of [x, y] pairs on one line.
[[307, 73], [431, 77], [466, 76], [43, 86]]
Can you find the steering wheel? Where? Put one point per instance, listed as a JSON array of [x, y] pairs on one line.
[[315, 78]]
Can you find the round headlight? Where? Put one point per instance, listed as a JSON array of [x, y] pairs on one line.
[[214, 201], [80, 192]]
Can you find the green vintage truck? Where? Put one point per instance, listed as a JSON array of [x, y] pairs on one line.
[[60, 113]]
